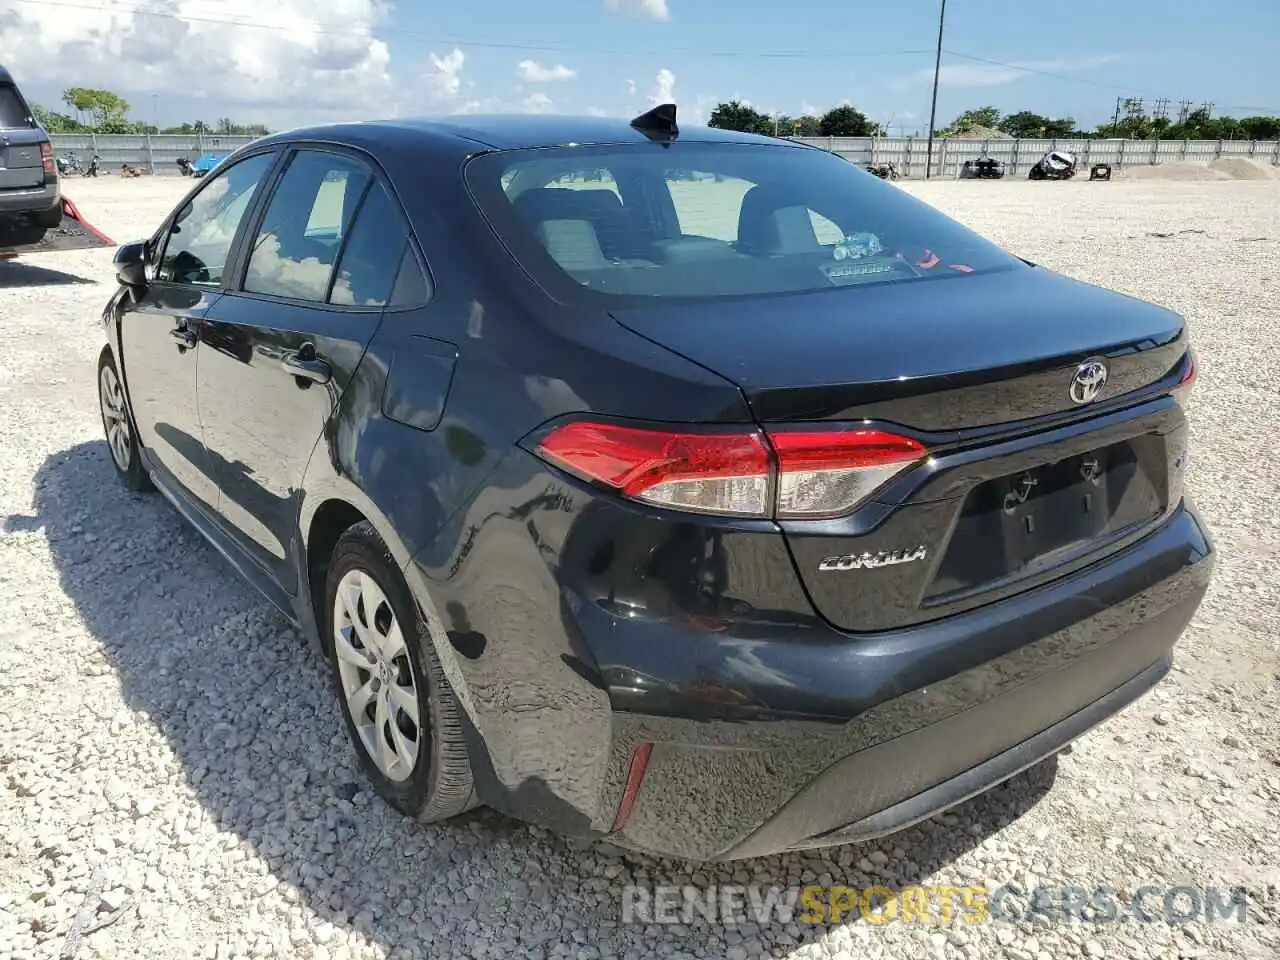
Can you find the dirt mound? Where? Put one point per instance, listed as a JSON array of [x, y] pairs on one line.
[[979, 132], [1242, 168], [1179, 171]]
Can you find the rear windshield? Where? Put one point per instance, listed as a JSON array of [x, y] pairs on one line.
[[13, 112], [696, 220]]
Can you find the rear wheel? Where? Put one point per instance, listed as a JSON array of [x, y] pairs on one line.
[[117, 426], [400, 712]]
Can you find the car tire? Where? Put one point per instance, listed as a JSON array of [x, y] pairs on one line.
[[118, 427], [421, 769]]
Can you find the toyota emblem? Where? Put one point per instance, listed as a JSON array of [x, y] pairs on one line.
[[1090, 378]]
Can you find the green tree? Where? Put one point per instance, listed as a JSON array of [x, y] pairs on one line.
[[736, 115], [108, 112], [979, 117], [1064, 127], [846, 121], [807, 126], [1260, 128], [1024, 123], [56, 122]]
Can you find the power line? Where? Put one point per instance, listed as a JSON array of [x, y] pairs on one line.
[[425, 37], [1085, 80]]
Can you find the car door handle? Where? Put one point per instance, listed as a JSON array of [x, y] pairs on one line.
[[183, 337], [304, 363]]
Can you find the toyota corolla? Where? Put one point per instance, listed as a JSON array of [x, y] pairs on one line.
[[688, 488]]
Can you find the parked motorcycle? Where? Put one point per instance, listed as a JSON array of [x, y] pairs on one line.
[[1054, 165], [68, 165], [185, 166], [885, 171]]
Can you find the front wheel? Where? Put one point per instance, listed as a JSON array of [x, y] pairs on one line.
[[399, 709], [117, 425]]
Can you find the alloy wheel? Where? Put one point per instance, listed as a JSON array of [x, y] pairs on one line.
[[377, 675], [115, 418]]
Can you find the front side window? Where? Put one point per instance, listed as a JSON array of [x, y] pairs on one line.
[[695, 220], [199, 241], [309, 214]]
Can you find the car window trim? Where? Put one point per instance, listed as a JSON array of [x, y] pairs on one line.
[[290, 150], [160, 239]]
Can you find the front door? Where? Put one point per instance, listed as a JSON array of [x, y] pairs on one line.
[[279, 351], [159, 335]]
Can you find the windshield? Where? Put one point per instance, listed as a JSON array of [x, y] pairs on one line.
[[696, 220]]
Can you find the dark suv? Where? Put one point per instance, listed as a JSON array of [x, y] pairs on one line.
[[692, 488], [30, 201]]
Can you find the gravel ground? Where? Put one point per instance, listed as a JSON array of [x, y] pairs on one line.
[[172, 762]]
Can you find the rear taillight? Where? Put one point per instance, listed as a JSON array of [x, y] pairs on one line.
[[1182, 392], [783, 473], [829, 473], [725, 473], [46, 160]]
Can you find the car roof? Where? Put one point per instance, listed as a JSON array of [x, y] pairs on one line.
[[5, 76], [506, 132]]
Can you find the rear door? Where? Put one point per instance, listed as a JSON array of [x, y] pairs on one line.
[[21, 166], [280, 350], [160, 329]]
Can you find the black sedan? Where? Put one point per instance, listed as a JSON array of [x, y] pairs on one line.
[[694, 489]]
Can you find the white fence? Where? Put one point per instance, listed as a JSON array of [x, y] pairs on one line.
[[909, 154], [160, 152], [157, 152]]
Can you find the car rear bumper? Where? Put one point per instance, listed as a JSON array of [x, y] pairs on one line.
[[30, 200], [1086, 648], [765, 731]]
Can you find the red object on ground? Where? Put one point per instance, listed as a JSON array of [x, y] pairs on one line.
[[69, 209]]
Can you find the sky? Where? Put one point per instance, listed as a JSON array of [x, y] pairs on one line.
[[293, 62]]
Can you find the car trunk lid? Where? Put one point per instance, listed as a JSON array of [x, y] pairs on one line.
[[1022, 481]]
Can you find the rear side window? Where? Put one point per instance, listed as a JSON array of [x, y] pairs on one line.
[[307, 218], [378, 266], [694, 220], [13, 112]]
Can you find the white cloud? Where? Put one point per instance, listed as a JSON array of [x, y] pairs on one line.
[[996, 74], [311, 57], [649, 9], [597, 112], [537, 103], [807, 109], [444, 78], [631, 87], [664, 88], [530, 71]]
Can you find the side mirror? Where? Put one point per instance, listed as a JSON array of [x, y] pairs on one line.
[[131, 264]]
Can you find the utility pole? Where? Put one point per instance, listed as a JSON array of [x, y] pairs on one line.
[[933, 107]]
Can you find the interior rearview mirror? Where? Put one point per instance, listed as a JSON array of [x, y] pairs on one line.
[[131, 264]]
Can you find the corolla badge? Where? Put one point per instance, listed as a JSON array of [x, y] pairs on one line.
[[865, 561], [1090, 378]]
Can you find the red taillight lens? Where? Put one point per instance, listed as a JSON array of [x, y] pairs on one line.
[[817, 473], [825, 474], [1183, 390], [46, 159], [725, 473]]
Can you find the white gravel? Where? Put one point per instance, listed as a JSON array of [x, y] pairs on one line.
[[171, 758]]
